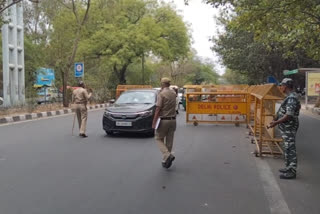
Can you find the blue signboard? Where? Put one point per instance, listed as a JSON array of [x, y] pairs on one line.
[[272, 79], [44, 77], [79, 69]]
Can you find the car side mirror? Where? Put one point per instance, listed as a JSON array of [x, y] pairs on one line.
[[112, 101]]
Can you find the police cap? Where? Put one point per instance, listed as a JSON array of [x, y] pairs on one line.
[[81, 83], [165, 80]]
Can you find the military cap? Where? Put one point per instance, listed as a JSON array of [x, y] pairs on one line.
[[287, 82]]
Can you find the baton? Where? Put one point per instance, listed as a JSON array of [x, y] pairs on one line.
[[74, 120]]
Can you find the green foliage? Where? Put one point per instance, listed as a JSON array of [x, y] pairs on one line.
[[203, 73], [122, 32], [265, 37], [34, 58], [234, 77]]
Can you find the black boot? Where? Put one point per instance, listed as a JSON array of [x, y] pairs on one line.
[[284, 170], [169, 161], [288, 175]]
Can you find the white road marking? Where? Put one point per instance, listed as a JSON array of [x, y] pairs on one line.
[[277, 203]]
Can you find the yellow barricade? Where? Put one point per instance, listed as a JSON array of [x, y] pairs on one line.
[[216, 107], [231, 87], [262, 101], [122, 88]]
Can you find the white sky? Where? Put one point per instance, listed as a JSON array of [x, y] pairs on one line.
[[201, 18]]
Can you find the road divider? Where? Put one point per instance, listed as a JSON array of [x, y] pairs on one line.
[[31, 116]]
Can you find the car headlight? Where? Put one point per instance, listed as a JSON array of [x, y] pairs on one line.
[[107, 113], [145, 113]]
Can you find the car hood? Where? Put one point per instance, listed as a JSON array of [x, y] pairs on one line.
[[129, 108]]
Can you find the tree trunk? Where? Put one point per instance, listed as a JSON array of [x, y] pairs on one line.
[[121, 74], [143, 69], [65, 83], [74, 50]]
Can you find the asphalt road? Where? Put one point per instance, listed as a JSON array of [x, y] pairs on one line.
[[45, 170]]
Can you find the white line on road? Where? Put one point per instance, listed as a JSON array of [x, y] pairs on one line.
[[277, 203]]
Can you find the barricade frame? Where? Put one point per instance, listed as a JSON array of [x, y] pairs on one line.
[[212, 111], [264, 98]]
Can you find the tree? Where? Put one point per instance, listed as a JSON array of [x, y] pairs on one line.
[[68, 28], [5, 4], [123, 31], [266, 37]]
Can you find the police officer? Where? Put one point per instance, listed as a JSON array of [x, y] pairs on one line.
[[80, 98], [166, 114], [288, 122]]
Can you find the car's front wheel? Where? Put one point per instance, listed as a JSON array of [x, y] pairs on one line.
[[109, 133], [150, 134]]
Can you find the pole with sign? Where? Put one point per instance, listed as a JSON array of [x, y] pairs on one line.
[[79, 69], [287, 72]]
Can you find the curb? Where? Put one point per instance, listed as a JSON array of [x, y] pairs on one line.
[[31, 116], [316, 110]]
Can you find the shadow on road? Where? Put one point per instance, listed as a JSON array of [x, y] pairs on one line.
[[129, 135]]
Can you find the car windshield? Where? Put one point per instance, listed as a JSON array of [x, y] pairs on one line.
[[137, 97]]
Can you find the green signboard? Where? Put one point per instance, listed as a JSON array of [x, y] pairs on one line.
[[286, 72]]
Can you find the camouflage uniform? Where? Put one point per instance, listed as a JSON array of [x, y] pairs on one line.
[[290, 106]]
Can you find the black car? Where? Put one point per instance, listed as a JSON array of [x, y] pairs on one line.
[[133, 111]]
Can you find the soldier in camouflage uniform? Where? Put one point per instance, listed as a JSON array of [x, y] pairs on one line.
[[288, 122]]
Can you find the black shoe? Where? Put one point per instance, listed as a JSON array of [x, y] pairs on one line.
[[288, 175], [83, 135], [169, 161], [163, 164], [284, 170]]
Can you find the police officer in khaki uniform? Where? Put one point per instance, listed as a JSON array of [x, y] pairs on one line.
[[80, 98], [166, 111]]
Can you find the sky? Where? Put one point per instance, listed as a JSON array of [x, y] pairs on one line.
[[203, 26]]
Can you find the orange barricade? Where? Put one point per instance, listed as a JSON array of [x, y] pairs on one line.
[[122, 88], [216, 107], [263, 100]]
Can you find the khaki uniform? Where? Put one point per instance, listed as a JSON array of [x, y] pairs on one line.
[[164, 134], [80, 98]]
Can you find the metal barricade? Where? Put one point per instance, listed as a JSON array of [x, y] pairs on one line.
[[123, 88], [216, 107], [231, 87], [263, 100]]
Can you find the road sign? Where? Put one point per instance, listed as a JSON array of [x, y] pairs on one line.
[[79, 69], [286, 72], [272, 79]]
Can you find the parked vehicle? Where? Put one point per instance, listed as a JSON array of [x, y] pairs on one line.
[[48, 95], [133, 111]]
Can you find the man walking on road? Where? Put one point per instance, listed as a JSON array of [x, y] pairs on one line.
[[80, 98], [288, 121], [164, 121]]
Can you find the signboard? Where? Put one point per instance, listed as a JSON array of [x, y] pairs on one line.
[[286, 72], [313, 84], [44, 76], [79, 69], [217, 108], [272, 79]]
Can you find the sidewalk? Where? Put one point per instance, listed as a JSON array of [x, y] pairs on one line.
[[10, 118], [311, 110]]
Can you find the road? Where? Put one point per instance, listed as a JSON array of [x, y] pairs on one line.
[[45, 170]]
